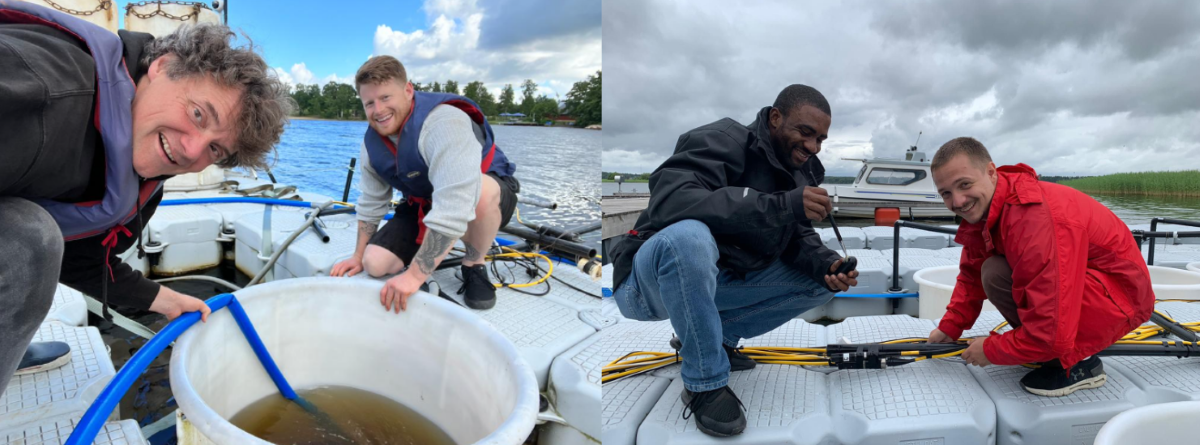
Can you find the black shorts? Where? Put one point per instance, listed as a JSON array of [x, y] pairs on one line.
[[399, 235]]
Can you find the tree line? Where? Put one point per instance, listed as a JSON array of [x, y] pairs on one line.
[[337, 100]]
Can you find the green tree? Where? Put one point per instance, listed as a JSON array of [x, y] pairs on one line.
[[450, 87], [528, 98], [583, 101], [437, 87], [507, 96], [482, 97], [418, 87], [544, 109]]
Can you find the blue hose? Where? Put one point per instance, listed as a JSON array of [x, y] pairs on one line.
[[88, 426], [248, 200], [906, 295]]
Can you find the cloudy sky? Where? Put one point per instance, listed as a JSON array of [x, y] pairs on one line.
[[1078, 87], [555, 43]]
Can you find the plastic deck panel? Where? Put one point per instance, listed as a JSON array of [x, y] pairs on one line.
[[793, 334], [987, 321], [880, 238], [1024, 418], [625, 404], [68, 308], [539, 328], [56, 432], [249, 232], [634, 336], [1164, 379], [1180, 311], [597, 319], [927, 402], [923, 239], [60, 391], [909, 252], [952, 253], [1168, 258], [813, 314], [609, 309], [841, 308], [572, 275], [909, 267], [575, 377], [1178, 228], [879, 328], [852, 237], [784, 405], [857, 253]]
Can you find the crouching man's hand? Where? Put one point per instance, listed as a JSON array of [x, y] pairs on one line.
[[173, 304], [974, 353], [840, 282]]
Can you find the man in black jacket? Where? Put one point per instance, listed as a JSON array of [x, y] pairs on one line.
[[726, 248], [185, 101]]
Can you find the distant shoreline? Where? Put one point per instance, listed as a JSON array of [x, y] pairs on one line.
[[311, 118]]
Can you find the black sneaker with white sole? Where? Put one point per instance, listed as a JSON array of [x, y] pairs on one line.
[[1051, 380], [718, 412], [479, 290], [738, 361], [44, 356]]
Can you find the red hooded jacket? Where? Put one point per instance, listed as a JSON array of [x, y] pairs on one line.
[[1079, 280]]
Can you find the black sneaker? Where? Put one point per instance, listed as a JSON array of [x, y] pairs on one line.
[[480, 292], [718, 412], [738, 361], [44, 356], [1051, 380]]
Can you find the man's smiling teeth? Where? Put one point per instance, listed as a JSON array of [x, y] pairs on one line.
[[382, 119], [166, 147]]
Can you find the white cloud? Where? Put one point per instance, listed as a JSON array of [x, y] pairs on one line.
[[301, 73], [450, 48]]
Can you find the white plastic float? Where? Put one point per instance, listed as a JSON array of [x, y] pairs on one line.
[[437, 358], [1194, 266], [936, 285], [1174, 284], [1162, 423]]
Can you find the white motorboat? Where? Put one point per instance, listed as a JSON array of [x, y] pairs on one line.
[[904, 184]]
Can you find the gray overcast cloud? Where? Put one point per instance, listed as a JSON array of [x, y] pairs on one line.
[[1077, 87]]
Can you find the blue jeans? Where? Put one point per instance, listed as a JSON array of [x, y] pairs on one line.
[[675, 276]]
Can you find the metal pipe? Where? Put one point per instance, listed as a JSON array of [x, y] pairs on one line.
[[549, 243], [1154, 228], [537, 202], [316, 226], [1174, 328], [349, 177], [586, 228]]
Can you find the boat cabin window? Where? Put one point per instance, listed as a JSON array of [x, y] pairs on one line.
[[894, 176], [860, 174]]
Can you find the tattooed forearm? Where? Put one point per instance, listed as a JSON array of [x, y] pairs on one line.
[[367, 229], [432, 250], [473, 254]]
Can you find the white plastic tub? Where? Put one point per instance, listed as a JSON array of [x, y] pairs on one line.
[[1152, 424], [936, 285], [439, 359], [1194, 267], [1174, 284]]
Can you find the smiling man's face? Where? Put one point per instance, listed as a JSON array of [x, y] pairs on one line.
[[966, 187], [386, 104], [181, 125], [797, 136]]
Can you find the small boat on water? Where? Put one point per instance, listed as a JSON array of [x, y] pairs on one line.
[[904, 184]]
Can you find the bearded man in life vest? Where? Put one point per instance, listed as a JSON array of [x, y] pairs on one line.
[[1064, 271], [438, 150], [91, 124]]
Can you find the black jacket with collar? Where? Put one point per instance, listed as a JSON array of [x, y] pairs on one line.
[[726, 175]]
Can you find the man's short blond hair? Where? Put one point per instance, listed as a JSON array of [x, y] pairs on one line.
[[975, 151], [380, 69]]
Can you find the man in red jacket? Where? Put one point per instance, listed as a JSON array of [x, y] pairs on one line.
[[1063, 270]]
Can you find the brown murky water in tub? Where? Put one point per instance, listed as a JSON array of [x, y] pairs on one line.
[[354, 416]]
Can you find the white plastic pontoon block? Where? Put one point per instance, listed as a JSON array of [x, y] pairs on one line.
[[927, 402], [635, 336], [575, 384], [56, 432], [61, 391], [880, 238], [624, 406], [784, 405], [188, 234], [987, 321], [951, 237], [874, 275], [922, 239], [858, 253], [1024, 418], [951, 253], [879, 328], [69, 307], [852, 237]]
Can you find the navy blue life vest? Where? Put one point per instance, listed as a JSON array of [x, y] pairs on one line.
[[402, 166], [114, 121]]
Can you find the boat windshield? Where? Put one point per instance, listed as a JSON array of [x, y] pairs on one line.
[[860, 174]]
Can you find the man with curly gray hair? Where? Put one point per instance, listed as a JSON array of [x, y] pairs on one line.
[[92, 125]]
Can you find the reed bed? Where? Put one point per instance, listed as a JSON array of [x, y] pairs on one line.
[[1176, 183]]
